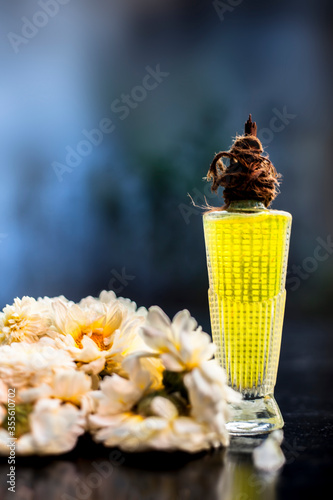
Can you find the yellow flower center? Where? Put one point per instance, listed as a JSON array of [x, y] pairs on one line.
[[14, 322], [97, 336], [98, 331]]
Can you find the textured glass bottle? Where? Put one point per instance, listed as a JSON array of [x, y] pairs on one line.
[[247, 252]]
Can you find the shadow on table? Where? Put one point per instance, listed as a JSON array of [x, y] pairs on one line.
[[115, 475]]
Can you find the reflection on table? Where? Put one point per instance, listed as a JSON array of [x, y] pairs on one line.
[[217, 475]]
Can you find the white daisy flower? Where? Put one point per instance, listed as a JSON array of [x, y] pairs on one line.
[[181, 344], [25, 320], [86, 333], [24, 365], [209, 396], [99, 338], [135, 418], [117, 394], [134, 433], [54, 428], [68, 385]]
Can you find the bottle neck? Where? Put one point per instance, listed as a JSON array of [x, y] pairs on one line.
[[246, 206]]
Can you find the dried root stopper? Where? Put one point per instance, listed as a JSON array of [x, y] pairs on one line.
[[250, 174]]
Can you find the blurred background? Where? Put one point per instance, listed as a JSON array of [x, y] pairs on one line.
[[111, 112]]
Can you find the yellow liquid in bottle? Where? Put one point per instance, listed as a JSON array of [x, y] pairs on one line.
[[247, 254]]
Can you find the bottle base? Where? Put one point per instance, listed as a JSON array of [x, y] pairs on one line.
[[254, 416]]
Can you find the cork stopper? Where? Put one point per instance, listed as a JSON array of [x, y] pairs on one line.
[[250, 174]]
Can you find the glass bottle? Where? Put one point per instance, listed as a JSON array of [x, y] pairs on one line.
[[247, 251]]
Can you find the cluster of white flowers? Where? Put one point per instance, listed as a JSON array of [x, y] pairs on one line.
[[130, 377]]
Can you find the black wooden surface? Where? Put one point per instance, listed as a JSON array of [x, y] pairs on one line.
[[303, 392]]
